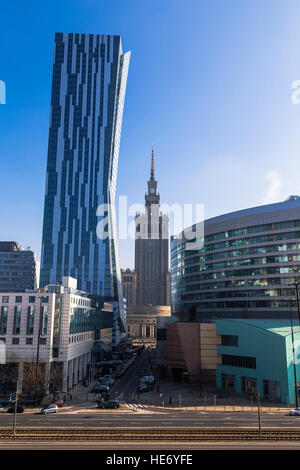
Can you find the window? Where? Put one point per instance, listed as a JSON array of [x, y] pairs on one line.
[[5, 299], [44, 320], [30, 320], [31, 299], [18, 299], [230, 340], [228, 382], [3, 340], [15, 341], [249, 385], [55, 352], [3, 320], [43, 340], [29, 341], [17, 320], [272, 390], [239, 361]]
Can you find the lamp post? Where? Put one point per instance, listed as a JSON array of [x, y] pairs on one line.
[[38, 340], [15, 410], [296, 284], [294, 360]]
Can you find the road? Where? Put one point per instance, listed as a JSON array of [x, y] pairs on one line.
[[114, 446], [105, 418], [128, 383]]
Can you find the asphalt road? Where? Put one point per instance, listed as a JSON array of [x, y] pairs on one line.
[[114, 446], [129, 382], [105, 418]]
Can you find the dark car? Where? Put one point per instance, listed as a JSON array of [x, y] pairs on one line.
[[109, 404], [101, 389], [20, 409]]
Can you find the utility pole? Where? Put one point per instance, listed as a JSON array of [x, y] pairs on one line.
[[294, 360], [38, 342], [296, 284], [258, 412], [15, 412]]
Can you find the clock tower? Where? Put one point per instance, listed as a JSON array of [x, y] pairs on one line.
[[152, 249], [152, 197]]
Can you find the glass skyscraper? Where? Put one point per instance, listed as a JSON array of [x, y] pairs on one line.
[[88, 92]]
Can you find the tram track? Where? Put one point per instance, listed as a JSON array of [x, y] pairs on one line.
[[149, 434]]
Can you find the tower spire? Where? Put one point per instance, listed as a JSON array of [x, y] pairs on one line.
[[152, 164]]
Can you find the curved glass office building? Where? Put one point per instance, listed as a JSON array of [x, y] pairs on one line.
[[245, 268]]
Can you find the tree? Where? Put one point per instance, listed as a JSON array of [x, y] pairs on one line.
[[40, 380], [35, 382]]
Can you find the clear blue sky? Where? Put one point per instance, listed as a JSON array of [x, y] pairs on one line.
[[209, 86]]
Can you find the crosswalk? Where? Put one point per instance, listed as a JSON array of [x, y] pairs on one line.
[[137, 407]]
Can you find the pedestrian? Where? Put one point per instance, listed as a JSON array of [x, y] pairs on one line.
[[157, 388], [70, 397], [170, 401]]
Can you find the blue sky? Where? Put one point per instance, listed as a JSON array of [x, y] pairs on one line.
[[209, 86]]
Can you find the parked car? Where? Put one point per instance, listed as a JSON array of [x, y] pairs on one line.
[[49, 409], [58, 403], [109, 404], [295, 412], [101, 388], [106, 380], [143, 387], [2, 410], [20, 409]]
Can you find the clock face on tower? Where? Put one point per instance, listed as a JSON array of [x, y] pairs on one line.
[[152, 190]]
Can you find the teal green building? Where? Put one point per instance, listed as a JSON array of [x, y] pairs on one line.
[[257, 355]]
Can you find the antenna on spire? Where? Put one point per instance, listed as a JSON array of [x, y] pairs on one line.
[[152, 164]]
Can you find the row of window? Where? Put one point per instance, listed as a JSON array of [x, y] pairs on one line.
[[243, 232], [43, 341], [283, 281], [271, 388], [238, 304], [192, 256], [237, 273], [19, 299], [239, 263], [29, 320], [243, 241], [241, 293]]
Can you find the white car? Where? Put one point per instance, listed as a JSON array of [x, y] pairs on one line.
[[295, 412], [49, 409], [2, 410]]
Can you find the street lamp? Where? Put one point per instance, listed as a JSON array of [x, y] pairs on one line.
[[38, 340], [294, 361], [296, 284]]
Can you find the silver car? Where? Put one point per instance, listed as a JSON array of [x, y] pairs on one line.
[[295, 412], [49, 409]]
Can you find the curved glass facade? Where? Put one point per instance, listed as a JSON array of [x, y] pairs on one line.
[[248, 260]]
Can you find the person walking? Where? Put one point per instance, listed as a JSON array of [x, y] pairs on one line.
[[157, 388], [170, 401]]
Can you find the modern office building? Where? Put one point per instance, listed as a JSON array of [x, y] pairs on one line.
[[88, 92], [58, 317], [18, 268], [256, 357], [239, 357], [129, 284], [152, 249], [245, 268]]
